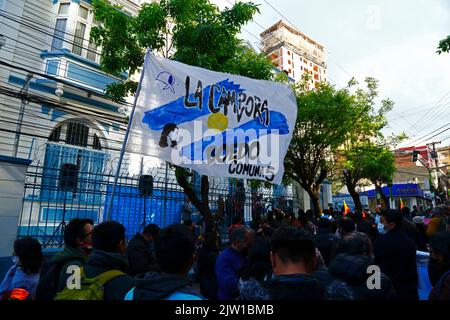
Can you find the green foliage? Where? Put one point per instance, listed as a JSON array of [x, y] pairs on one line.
[[201, 35], [444, 45], [325, 119], [379, 164]]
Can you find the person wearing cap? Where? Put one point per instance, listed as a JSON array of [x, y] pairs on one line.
[[423, 237], [439, 220]]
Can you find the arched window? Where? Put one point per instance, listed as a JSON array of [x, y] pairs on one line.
[[76, 134]]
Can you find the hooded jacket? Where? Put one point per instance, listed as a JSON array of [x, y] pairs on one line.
[[102, 261], [68, 257], [156, 286], [141, 259], [347, 279], [395, 253], [294, 287]]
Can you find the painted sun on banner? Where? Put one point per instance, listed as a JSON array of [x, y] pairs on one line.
[[215, 123]]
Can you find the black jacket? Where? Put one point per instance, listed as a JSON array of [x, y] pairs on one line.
[[206, 272], [101, 261], [410, 229], [346, 279], [326, 242], [295, 287], [160, 286], [140, 256], [395, 253]]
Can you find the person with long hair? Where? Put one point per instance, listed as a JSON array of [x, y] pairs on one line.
[[24, 275]]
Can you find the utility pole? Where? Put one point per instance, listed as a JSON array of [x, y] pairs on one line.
[[23, 103], [434, 156]]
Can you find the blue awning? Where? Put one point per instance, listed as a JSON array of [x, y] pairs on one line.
[[400, 190]]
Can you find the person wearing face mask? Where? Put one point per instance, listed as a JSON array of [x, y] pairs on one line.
[[440, 274], [230, 262], [77, 247], [24, 274], [346, 277], [395, 254]]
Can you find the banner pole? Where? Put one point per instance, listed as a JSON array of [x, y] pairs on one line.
[[125, 139]]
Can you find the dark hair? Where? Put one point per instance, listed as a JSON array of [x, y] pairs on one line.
[[358, 216], [393, 216], [324, 224], [346, 224], [355, 243], [29, 251], [168, 128], [257, 265], [293, 244], [440, 243], [107, 236], [239, 234], [152, 229], [303, 219], [174, 248], [405, 211], [267, 231], [237, 220], [279, 215], [210, 241], [75, 230]]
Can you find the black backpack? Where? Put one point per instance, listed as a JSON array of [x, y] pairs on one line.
[[48, 285], [49, 281]]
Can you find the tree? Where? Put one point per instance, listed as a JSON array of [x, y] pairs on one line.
[[444, 45], [325, 118], [367, 128], [200, 34], [379, 167]]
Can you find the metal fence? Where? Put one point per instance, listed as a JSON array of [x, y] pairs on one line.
[[54, 195]]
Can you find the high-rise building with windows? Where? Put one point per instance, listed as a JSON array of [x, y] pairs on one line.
[[295, 53]]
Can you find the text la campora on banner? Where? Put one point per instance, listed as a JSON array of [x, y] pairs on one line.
[[215, 123]]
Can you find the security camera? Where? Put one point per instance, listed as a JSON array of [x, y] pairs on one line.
[[59, 91]]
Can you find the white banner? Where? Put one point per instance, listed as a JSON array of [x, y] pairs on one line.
[[215, 123]]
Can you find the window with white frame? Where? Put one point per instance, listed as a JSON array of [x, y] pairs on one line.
[[60, 26], [82, 46]]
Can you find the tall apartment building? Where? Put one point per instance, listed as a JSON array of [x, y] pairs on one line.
[[295, 53]]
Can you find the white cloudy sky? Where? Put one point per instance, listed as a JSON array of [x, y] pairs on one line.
[[392, 40]]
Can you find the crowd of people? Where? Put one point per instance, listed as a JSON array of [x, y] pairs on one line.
[[283, 256]]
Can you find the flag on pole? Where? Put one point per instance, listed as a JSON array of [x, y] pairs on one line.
[[364, 214], [215, 123], [346, 208]]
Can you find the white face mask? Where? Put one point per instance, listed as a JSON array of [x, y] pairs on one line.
[[377, 219], [381, 229]]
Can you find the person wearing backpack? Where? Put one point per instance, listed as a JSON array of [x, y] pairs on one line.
[[440, 253], [108, 240], [77, 247]]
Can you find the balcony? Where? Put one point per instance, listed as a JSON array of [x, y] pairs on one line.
[[78, 70]]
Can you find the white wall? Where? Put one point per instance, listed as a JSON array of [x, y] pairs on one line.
[[12, 179]]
